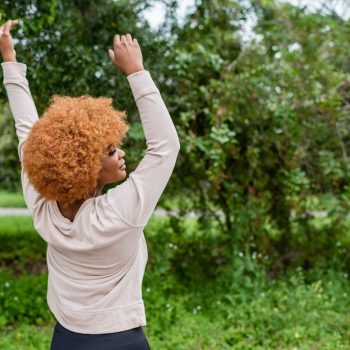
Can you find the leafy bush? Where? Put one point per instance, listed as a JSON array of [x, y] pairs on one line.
[[263, 128], [23, 299], [21, 247], [263, 125]]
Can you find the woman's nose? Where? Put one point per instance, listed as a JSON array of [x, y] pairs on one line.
[[121, 153]]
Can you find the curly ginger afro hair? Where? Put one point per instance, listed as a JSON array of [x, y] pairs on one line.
[[62, 154]]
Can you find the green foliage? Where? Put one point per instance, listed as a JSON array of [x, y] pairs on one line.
[[256, 314], [27, 337], [65, 44], [186, 303], [9, 169], [290, 314], [23, 299], [65, 47], [21, 248], [263, 125]]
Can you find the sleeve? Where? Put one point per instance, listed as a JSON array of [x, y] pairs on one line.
[[25, 115], [135, 199]]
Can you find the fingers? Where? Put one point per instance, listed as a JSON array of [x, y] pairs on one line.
[[111, 54], [124, 39], [116, 39], [8, 25], [129, 38]]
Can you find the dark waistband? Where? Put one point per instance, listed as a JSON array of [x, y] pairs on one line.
[[114, 335]]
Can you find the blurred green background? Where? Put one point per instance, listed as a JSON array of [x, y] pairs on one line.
[[259, 91]]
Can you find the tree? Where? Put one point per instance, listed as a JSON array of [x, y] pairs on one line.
[[65, 46], [263, 127]]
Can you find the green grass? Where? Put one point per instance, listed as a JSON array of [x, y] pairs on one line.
[[16, 200], [27, 337], [21, 247], [11, 200], [14, 225]]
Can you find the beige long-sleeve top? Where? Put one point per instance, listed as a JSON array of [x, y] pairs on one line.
[[96, 263]]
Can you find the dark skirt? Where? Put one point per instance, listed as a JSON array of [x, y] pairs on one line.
[[131, 339]]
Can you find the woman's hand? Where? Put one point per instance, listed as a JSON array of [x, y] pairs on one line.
[[126, 54], [7, 50]]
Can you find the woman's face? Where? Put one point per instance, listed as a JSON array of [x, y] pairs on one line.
[[113, 166]]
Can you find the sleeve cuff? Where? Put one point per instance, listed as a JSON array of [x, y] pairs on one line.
[[141, 83], [13, 70]]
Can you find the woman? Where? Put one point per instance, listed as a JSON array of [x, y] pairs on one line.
[[96, 249]]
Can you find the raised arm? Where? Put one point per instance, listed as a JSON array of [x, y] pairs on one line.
[[22, 106], [135, 199], [17, 87]]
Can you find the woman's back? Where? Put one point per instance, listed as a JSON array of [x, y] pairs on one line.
[[96, 263], [96, 256]]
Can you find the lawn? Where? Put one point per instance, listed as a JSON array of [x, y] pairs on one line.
[[11, 199]]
